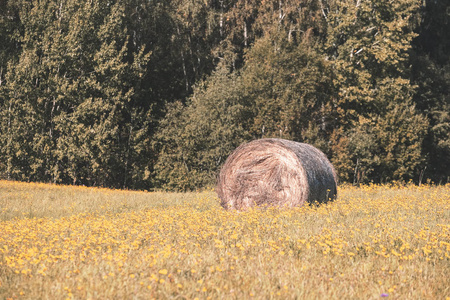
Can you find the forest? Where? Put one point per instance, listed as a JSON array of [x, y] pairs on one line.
[[155, 94]]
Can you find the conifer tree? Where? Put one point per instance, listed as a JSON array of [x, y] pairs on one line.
[[31, 104], [69, 112], [103, 128]]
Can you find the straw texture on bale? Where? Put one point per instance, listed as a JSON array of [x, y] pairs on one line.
[[275, 172]]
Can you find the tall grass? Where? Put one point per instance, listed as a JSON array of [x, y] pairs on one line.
[[62, 242], [18, 200]]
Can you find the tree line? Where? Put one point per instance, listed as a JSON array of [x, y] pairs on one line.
[[156, 94]]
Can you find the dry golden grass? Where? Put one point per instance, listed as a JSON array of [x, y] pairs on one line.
[[62, 242]]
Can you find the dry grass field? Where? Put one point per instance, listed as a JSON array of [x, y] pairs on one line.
[[62, 242]]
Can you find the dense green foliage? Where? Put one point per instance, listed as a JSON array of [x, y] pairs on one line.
[[156, 94]]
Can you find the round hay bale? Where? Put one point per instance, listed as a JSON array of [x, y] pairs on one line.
[[275, 172]]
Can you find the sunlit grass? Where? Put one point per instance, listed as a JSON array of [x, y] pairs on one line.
[[39, 200], [59, 242]]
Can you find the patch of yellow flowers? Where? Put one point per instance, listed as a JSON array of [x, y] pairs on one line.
[[374, 241]]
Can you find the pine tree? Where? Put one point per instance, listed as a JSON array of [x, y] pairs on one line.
[[69, 114], [103, 129], [31, 104]]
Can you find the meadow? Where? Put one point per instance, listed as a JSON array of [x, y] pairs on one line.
[[63, 242]]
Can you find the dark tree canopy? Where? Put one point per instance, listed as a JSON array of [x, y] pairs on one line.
[[156, 94]]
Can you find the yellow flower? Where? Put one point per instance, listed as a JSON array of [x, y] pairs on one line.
[[163, 272]]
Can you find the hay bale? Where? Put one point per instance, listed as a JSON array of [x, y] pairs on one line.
[[275, 172]]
